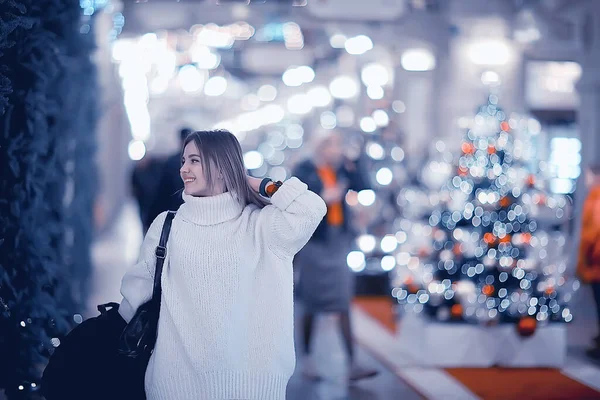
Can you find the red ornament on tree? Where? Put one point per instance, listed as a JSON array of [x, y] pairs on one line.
[[456, 311], [468, 148], [526, 326], [488, 290]]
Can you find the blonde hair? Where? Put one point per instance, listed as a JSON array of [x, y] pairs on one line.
[[220, 150]]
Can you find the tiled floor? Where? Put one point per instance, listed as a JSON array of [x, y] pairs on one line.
[[330, 359], [117, 249]]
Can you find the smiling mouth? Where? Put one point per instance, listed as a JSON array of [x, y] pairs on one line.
[[189, 180]]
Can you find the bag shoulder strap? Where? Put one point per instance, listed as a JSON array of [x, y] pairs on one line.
[[161, 254]]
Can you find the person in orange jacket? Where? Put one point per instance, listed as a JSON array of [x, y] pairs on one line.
[[588, 263]]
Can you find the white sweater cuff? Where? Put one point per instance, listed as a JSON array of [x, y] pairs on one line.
[[288, 192]]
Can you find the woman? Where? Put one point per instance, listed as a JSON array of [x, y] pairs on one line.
[[326, 283], [226, 319]]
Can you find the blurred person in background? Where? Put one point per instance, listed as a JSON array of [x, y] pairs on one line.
[[144, 185], [326, 284], [226, 323], [167, 195], [588, 263]]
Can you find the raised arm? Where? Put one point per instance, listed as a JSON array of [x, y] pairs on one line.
[[291, 219], [136, 286]]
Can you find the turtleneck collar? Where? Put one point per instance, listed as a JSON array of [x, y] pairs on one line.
[[210, 210]]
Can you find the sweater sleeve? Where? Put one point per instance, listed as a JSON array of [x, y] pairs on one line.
[[136, 286], [291, 219]]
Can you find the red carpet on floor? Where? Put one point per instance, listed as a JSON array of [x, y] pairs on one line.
[[495, 383], [522, 383], [380, 308]]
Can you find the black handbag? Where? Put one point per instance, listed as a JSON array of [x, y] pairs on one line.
[[104, 357]]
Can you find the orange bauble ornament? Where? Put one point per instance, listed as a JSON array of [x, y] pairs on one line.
[[457, 249], [410, 285], [456, 311], [505, 202], [468, 148], [526, 326], [412, 288], [489, 238], [505, 239], [488, 290]]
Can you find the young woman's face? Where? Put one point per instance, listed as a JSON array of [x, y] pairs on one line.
[[192, 174]]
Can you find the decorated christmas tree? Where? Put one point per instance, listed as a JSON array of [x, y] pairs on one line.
[[490, 252]]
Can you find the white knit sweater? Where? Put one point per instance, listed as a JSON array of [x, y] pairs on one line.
[[226, 318]]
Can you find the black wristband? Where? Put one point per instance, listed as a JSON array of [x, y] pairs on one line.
[[263, 186]]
